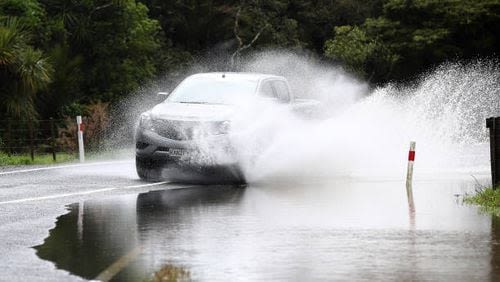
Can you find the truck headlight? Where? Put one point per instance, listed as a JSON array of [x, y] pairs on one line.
[[146, 122]]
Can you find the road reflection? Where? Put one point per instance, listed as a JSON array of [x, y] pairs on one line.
[[94, 235], [495, 248], [90, 237], [332, 231]]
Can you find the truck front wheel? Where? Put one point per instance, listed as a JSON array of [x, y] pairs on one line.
[[147, 169]]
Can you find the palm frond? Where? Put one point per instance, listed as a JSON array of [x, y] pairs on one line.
[[13, 37], [34, 70]]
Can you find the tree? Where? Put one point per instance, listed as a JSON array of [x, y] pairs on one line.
[[351, 46], [24, 71], [241, 46], [413, 35], [318, 19], [201, 27], [116, 41]]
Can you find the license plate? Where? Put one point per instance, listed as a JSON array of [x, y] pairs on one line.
[[176, 152]]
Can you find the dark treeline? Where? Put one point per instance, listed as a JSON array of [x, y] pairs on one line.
[[56, 56]]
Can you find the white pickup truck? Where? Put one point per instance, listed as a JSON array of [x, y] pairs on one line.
[[201, 107]]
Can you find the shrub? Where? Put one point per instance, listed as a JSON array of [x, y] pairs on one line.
[[95, 125], [488, 199]]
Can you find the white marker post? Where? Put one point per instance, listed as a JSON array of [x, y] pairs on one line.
[[81, 150], [409, 176]]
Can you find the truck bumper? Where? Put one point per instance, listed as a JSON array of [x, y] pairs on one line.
[[213, 159]]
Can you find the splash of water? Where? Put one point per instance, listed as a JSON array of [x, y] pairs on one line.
[[369, 132]]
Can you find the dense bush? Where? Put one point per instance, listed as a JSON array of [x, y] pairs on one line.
[[96, 122], [59, 53]]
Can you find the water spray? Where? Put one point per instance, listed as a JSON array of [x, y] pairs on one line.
[[444, 109]]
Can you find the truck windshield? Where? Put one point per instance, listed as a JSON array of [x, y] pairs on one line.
[[212, 91]]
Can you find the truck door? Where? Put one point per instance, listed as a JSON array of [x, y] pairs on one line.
[[268, 91], [282, 92]]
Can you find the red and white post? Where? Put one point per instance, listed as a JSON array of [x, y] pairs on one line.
[[81, 149], [409, 176]]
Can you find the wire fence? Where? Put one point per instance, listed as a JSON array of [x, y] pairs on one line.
[[34, 137]]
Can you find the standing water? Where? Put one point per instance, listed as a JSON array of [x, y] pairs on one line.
[[327, 197]]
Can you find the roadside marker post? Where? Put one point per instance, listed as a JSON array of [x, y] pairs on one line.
[[409, 176], [493, 123], [81, 149]]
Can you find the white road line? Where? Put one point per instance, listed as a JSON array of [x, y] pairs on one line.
[[119, 265], [79, 193], [61, 166]]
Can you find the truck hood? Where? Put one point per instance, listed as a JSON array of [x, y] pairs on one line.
[[192, 112]]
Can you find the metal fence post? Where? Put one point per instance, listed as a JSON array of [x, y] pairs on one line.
[[53, 139], [9, 137], [493, 123], [32, 137]]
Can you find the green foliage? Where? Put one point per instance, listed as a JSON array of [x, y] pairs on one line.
[[170, 273], [352, 46], [23, 70], [29, 12], [411, 36], [488, 199], [199, 26], [25, 159], [99, 50], [280, 29], [55, 54], [366, 56], [65, 88], [115, 41]]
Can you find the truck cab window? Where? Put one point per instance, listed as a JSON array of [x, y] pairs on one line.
[[282, 91], [267, 90]]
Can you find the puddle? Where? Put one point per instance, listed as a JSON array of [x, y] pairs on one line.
[[342, 230]]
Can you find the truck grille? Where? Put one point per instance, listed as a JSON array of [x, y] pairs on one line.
[[175, 130], [184, 130]]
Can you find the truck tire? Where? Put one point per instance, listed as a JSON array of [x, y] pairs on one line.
[[147, 169]]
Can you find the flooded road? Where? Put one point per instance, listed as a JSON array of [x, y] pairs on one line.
[[98, 220], [347, 229]]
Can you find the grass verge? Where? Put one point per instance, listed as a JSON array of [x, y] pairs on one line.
[[25, 159], [170, 273], [488, 199]]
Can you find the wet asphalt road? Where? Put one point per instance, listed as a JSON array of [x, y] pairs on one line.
[[32, 198], [82, 220]]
